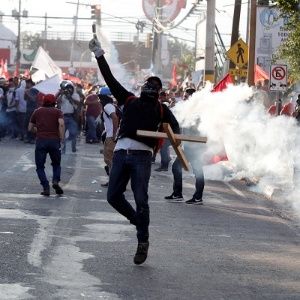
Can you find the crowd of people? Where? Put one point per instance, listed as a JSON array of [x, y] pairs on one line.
[[110, 114]]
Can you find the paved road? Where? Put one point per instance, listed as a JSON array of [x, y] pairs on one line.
[[238, 245]]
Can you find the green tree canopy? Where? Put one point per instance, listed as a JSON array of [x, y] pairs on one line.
[[290, 50]]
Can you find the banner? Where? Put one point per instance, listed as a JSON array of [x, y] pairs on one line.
[[167, 11], [270, 34]]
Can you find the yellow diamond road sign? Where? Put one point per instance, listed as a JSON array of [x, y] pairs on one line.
[[238, 53]]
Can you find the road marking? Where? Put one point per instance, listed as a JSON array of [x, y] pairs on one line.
[[235, 190]]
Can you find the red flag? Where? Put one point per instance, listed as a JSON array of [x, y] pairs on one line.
[[222, 85], [5, 72], [1, 68], [259, 74], [174, 76]]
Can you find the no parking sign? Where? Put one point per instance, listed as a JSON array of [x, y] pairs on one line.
[[278, 78]]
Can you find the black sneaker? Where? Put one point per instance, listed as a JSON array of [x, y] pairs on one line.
[[161, 169], [58, 189], [141, 253], [104, 184], [46, 192], [174, 197], [194, 201]]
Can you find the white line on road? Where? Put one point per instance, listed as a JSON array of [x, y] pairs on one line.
[[235, 190]]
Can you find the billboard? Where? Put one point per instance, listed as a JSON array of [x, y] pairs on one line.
[[168, 9], [270, 34]]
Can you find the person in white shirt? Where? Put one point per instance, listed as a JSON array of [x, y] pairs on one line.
[[111, 124], [68, 101]]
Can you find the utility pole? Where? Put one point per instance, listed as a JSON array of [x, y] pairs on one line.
[[252, 37], [45, 30], [235, 26], [209, 73], [75, 35], [18, 42], [156, 45]]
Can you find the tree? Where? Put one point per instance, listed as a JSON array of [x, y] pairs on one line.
[[290, 49]]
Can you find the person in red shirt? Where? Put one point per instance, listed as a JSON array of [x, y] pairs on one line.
[[93, 110], [48, 124]]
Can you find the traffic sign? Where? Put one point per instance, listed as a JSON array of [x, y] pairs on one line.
[[238, 72], [278, 78], [238, 53]]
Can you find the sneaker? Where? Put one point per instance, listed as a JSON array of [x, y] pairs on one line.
[[104, 184], [161, 169], [194, 201], [58, 189], [141, 253], [46, 191], [174, 197], [106, 168]]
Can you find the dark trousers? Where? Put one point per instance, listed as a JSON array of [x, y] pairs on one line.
[[177, 174], [30, 136], [135, 166], [42, 148], [71, 126], [21, 124], [12, 126], [165, 154]]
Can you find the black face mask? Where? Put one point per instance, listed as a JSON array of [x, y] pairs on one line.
[[150, 90]]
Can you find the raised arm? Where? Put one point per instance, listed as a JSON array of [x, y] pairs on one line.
[[118, 91]]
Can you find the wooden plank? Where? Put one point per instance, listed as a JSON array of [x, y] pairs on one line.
[[176, 146], [163, 135]]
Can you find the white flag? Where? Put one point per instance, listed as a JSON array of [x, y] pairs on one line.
[[43, 66], [49, 86]]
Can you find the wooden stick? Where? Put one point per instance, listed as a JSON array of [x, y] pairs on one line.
[[177, 148], [163, 135]]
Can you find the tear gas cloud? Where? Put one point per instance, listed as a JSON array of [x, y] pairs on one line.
[[112, 56], [258, 146]]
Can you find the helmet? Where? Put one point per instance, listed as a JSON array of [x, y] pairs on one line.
[[49, 100], [67, 86], [104, 91], [66, 83]]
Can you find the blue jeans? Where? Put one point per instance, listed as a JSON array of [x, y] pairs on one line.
[[165, 154], [42, 148], [71, 126], [91, 128], [177, 174], [135, 166]]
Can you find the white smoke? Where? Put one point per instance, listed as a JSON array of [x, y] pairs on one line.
[[112, 57], [259, 146]]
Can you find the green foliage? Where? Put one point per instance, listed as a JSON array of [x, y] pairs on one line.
[[290, 50], [287, 6]]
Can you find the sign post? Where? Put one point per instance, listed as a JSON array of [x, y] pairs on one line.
[[278, 78], [238, 54]]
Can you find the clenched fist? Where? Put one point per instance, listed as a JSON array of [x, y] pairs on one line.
[[95, 47]]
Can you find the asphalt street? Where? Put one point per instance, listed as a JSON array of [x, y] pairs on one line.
[[238, 245]]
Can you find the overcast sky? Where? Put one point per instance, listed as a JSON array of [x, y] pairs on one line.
[[129, 10]]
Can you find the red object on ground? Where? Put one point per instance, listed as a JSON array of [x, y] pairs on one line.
[[272, 110], [288, 109]]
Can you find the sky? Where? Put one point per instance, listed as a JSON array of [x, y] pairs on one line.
[[117, 16]]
